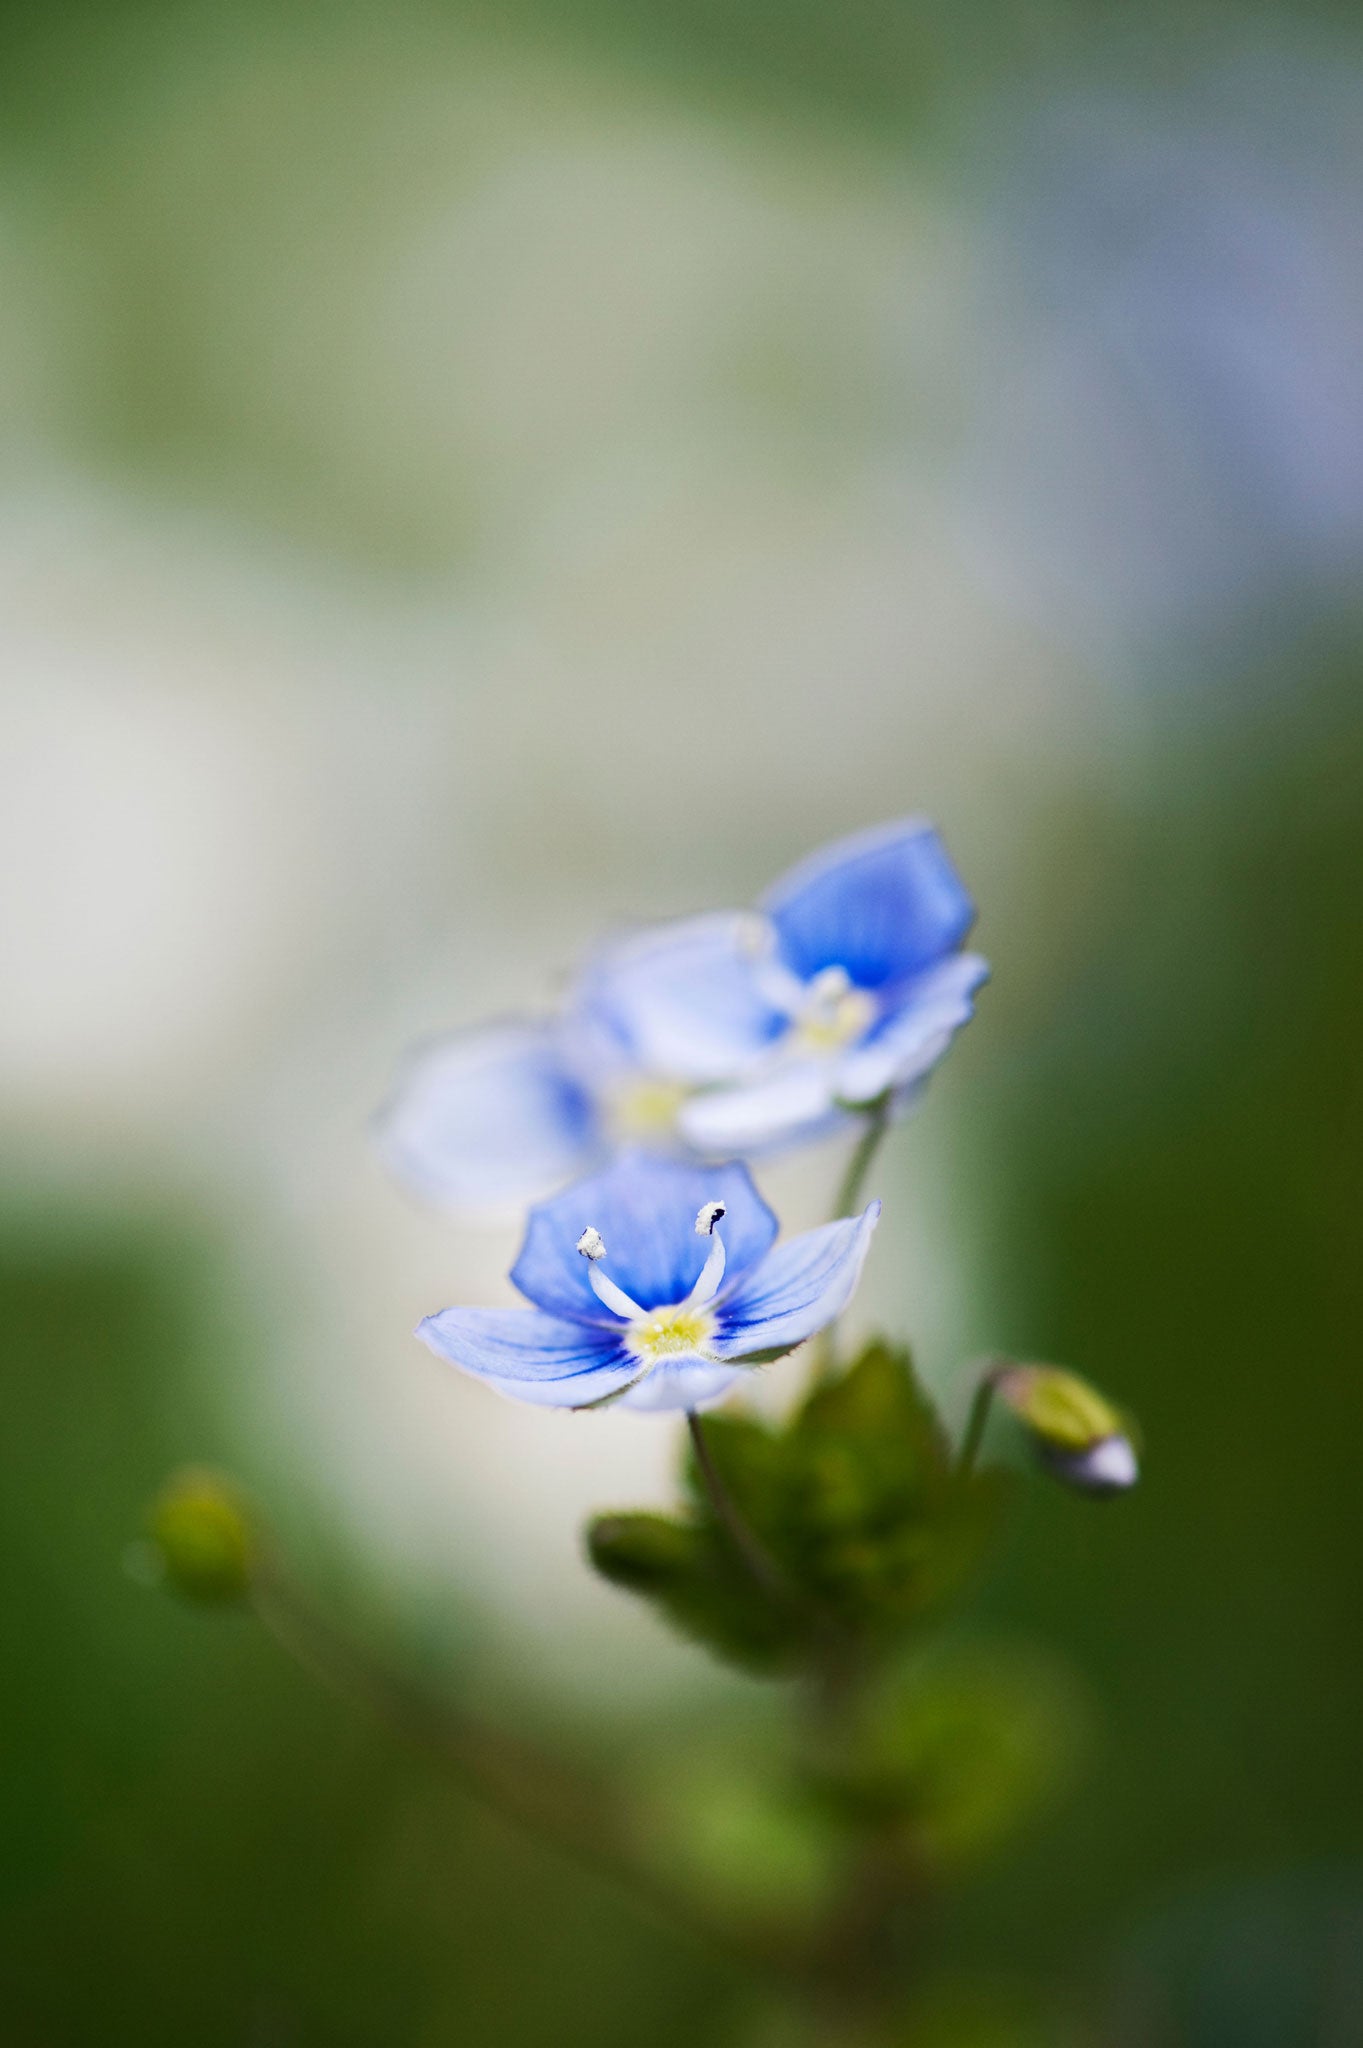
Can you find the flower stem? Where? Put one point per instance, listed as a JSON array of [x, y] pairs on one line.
[[760, 1563], [876, 1122], [516, 1780], [975, 1422]]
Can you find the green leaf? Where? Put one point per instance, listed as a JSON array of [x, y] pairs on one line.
[[887, 1532], [878, 1397], [855, 1501], [690, 1570]]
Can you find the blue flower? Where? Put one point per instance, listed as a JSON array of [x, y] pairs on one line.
[[489, 1118], [846, 986], [655, 1283], [733, 1032]]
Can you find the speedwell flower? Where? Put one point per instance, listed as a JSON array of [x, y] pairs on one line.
[[489, 1118], [492, 1118], [657, 1284], [732, 1032], [843, 989]]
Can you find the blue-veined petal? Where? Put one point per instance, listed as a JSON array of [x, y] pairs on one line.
[[489, 1118], [531, 1356], [682, 1383], [795, 1100], [915, 1032], [884, 904], [685, 1000], [796, 1290], [645, 1209]]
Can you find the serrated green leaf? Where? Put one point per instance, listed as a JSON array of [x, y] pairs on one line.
[[855, 1502], [878, 1399]]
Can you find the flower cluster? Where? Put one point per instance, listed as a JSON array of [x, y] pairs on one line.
[[655, 1279], [819, 1547], [732, 1033]]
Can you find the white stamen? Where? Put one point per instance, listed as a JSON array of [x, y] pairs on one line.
[[614, 1298], [711, 1273], [707, 1216], [592, 1244], [830, 984]]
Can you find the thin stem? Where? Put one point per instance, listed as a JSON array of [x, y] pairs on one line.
[[762, 1566], [518, 1782], [876, 1122], [975, 1422]]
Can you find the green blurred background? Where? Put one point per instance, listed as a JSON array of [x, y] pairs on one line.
[[472, 475]]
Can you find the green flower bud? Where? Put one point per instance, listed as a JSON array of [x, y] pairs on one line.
[[1078, 1435], [204, 1535]]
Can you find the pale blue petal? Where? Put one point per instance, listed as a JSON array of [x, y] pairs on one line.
[[795, 1101], [489, 1119], [912, 1037], [884, 904], [684, 1382], [685, 1000], [645, 1209], [796, 1290], [530, 1356]]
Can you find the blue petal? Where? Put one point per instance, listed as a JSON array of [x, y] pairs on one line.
[[682, 1383], [797, 1100], [685, 1000], [489, 1118], [645, 1209], [530, 1356], [884, 904], [913, 1035], [796, 1290]]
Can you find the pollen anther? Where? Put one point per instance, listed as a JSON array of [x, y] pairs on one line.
[[592, 1244]]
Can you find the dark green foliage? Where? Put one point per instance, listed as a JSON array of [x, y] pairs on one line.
[[955, 1752], [854, 1500]]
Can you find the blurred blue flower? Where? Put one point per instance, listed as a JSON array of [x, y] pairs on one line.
[[732, 1032], [846, 985], [654, 1283], [487, 1119]]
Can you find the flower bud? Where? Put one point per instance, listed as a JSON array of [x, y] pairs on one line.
[[1078, 1435], [203, 1534]]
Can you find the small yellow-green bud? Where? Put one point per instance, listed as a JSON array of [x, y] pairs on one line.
[[1078, 1434], [204, 1535]]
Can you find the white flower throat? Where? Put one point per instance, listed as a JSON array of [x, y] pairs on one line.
[[643, 1109], [653, 1334], [832, 1012], [825, 1013]]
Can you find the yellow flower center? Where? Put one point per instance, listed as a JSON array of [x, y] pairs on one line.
[[666, 1331], [646, 1108], [834, 1013]]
